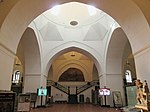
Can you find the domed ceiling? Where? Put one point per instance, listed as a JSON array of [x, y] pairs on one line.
[[70, 19]]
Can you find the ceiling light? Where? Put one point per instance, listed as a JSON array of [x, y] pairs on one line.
[[55, 10]]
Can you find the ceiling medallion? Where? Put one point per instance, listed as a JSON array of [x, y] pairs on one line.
[[74, 23]]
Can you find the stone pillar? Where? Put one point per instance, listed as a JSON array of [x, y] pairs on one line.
[[6, 68], [102, 79], [34, 81], [114, 82]]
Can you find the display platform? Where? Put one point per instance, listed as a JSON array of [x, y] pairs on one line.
[[144, 107], [7, 101], [131, 109]]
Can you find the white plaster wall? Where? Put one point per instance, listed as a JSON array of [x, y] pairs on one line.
[[76, 46], [142, 62], [6, 69], [115, 83], [87, 93], [60, 66], [17, 20], [72, 85], [58, 95], [95, 75], [114, 66], [50, 74], [32, 82], [31, 52]]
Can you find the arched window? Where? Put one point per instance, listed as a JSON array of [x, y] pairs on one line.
[[128, 76], [16, 77]]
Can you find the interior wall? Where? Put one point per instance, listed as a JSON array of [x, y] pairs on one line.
[[142, 65], [50, 74], [129, 9], [32, 61], [18, 20], [60, 96], [21, 58], [115, 83], [128, 61], [6, 68], [114, 57], [60, 66], [95, 73]]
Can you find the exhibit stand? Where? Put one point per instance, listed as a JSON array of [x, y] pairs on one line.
[[41, 92], [117, 99], [104, 92], [7, 101], [24, 103], [33, 98]]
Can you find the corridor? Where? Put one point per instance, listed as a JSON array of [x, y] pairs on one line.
[[75, 108]]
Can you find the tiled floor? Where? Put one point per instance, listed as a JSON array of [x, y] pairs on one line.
[[75, 108]]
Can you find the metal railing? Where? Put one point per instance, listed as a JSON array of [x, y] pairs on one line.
[[67, 89], [86, 86], [58, 86]]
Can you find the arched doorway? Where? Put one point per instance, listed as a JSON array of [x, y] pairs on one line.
[[124, 21]]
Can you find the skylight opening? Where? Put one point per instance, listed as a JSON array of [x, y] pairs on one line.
[[92, 10], [55, 10]]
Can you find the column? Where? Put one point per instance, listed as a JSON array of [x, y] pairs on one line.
[[6, 68], [34, 81], [115, 83]]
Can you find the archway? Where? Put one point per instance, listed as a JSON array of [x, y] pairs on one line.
[[118, 54], [72, 47], [9, 24], [63, 60], [129, 10], [28, 51]]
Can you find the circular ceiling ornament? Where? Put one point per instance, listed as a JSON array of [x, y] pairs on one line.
[[74, 23]]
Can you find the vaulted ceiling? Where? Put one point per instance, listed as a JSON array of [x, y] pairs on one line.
[[89, 23]]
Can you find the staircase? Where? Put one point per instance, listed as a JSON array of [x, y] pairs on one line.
[[87, 86], [78, 90], [58, 86]]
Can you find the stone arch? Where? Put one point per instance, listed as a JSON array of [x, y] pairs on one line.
[[32, 58], [131, 19], [72, 46], [114, 58], [115, 51], [28, 13]]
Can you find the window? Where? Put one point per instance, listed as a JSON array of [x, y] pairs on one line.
[[16, 77], [128, 76]]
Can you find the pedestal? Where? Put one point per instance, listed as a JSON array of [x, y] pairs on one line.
[[143, 107]]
